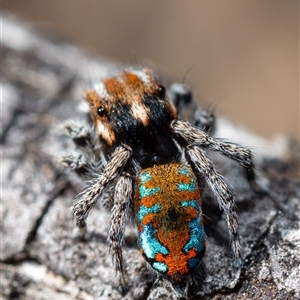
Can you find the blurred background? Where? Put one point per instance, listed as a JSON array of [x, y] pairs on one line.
[[240, 57]]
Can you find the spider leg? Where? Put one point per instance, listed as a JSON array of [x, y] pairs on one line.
[[89, 159], [75, 161], [118, 219], [180, 95], [82, 163], [182, 98], [87, 199], [205, 120], [199, 138], [82, 134], [225, 196]]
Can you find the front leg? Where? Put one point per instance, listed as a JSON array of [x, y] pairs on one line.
[[82, 134], [88, 159], [88, 198]]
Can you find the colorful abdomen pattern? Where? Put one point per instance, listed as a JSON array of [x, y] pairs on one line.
[[169, 218]]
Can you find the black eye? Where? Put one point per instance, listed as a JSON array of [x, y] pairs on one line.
[[161, 91], [101, 111]]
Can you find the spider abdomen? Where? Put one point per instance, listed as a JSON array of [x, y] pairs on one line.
[[169, 218]]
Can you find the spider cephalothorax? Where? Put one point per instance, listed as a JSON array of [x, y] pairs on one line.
[[141, 154], [134, 109]]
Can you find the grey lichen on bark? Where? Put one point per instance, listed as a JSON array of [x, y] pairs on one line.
[[43, 79]]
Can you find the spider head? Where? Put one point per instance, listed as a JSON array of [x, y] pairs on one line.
[[124, 107]]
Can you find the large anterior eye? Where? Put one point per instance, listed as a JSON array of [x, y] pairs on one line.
[[101, 111]]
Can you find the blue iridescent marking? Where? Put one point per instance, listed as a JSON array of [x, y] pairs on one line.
[[144, 211], [144, 192], [145, 176], [192, 203], [184, 171], [160, 267], [197, 236], [194, 262], [149, 243], [187, 186]]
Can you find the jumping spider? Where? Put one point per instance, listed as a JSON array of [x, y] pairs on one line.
[[145, 161]]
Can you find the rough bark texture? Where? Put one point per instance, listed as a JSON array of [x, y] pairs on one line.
[[43, 79]]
